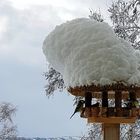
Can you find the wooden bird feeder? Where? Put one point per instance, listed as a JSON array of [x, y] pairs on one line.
[[110, 117]]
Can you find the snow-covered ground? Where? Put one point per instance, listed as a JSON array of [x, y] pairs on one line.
[[57, 138], [88, 52]]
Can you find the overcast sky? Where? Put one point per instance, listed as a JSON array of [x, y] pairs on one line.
[[24, 24]]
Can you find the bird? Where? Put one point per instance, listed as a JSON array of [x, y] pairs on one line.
[[135, 104], [79, 107], [96, 104], [132, 103]]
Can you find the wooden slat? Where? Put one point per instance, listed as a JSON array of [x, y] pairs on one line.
[[111, 120]]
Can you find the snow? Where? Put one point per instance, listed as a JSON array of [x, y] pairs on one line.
[[88, 52], [52, 138]]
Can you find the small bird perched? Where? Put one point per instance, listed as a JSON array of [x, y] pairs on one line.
[[96, 104], [132, 103], [79, 107]]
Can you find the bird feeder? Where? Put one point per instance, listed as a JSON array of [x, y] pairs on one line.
[[110, 117]]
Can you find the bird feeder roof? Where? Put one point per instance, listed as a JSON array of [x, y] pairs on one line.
[[87, 52]]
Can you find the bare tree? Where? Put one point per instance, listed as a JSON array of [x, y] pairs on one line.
[[125, 17], [94, 133], [7, 128]]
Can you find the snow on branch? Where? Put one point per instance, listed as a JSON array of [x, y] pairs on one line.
[[55, 81], [125, 17]]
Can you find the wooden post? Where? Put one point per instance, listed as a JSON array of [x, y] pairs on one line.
[[104, 99], [118, 103], [111, 131], [118, 99], [88, 99], [105, 103]]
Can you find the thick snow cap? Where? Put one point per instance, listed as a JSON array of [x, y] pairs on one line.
[[88, 52]]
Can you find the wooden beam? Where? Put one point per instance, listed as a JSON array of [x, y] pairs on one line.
[[98, 94], [112, 120], [98, 88]]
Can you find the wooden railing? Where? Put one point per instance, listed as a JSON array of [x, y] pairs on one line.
[[110, 115], [110, 112]]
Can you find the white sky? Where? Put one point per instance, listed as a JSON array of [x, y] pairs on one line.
[[23, 27]]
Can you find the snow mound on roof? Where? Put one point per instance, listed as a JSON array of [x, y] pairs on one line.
[[88, 52]]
